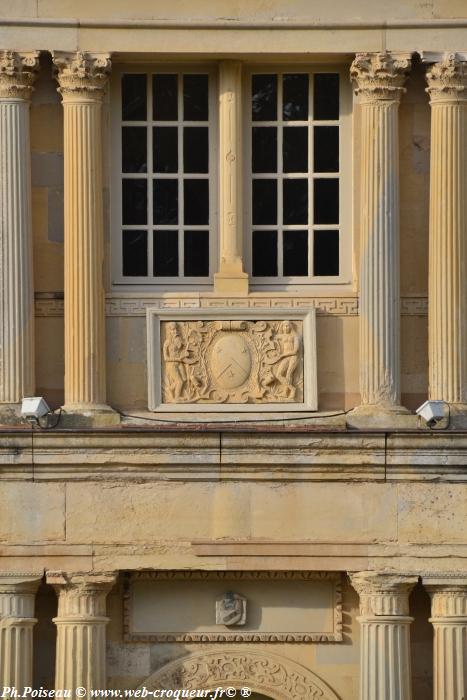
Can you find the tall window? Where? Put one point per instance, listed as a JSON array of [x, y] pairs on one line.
[[167, 179], [294, 217]]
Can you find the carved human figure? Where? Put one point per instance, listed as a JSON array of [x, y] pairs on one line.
[[175, 353], [285, 360]]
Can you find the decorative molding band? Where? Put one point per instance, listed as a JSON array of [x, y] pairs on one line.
[[234, 637], [131, 306]]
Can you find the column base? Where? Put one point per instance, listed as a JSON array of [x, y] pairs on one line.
[[10, 414], [88, 416], [376, 416], [456, 417], [231, 283]]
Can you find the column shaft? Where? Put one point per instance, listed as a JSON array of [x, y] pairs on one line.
[[447, 282], [17, 74], [379, 79]]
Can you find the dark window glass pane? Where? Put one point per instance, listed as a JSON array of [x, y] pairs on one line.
[[134, 97], [295, 253], [326, 204], [264, 141], [134, 202], [196, 149], [326, 96], [165, 97], [165, 253], [263, 97], [295, 97], [326, 149], [295, 149], [326, 253], [134, 153], [196, 201], [165, 149], [265, 202], [195, 98], [196, 254], [264, 253], [135, 253], [165, 207], [295, 201]]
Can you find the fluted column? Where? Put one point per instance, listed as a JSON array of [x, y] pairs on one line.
[[82, 78], [385, 639], [449, 619], [230, 278], [81, 622], [379, 80], [17, 74], [17, 599], [447, 277]]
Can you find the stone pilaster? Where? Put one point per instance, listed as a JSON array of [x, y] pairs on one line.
[[230, 278], [447, 279], [379, 80], [17, 598], [385, 639], [82, 78], [81, 623], [449, 619], [17, 74]]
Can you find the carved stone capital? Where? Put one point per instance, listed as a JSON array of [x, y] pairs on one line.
[[448, 596], [81, 596], [383, 594], [81, 74], [18, 71], [380, 76], [447, 79], [17, 594]]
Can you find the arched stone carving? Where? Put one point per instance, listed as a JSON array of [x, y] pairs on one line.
[[277, 677]]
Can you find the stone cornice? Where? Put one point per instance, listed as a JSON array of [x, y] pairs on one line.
[[380, 76], [447, 79], [383, 593], [18, 72], [81, 74]]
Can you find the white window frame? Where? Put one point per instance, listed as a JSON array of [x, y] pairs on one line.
[[147, 283], [345, 179]]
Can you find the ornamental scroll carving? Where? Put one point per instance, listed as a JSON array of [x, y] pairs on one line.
[[18, 72], [447, 79], [380, 76], [230, 361]]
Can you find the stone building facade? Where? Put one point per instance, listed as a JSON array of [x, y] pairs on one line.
[[233, 257]]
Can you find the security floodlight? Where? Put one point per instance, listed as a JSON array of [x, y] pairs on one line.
[[432, 412], [34, 407]]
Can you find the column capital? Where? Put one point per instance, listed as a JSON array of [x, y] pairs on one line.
[[383, 593], [18, 71], [17, 594], [380, 76], [448, 595], [81, 74], [447, 78], [81, 595]]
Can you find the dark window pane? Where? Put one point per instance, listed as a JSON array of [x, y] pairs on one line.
[[295, 253], [134, 202], [326, 203], [295, 201], [326, 96], [263, 97], [196, 149], [265, 202], [134, 153], [165, 97], [264, 253], [165, 208], [196, 201], [195, 98], [165, 253], [135, 253], [295, 149], [326, 253], [326, 149], [295, 97], [196, 254], [165, 149], [133, 97], [264, 142]]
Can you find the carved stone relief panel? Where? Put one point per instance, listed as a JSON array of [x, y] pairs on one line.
[[239, 359]]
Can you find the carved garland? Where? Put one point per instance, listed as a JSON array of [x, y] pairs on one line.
[[275, 676], [223, 637]]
